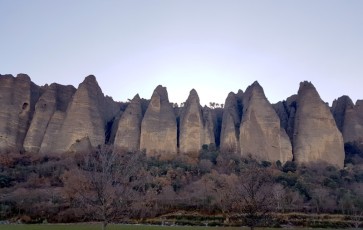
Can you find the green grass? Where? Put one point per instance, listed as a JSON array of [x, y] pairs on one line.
[[114, 227]]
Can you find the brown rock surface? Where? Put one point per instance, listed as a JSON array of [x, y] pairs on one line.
[[158, 127], [55, 98], [261, 135], [229, 139], [316, 136], [129, 127], [17, 99], [196, 128]]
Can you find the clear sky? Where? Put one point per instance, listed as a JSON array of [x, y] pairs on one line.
[[213, 46]]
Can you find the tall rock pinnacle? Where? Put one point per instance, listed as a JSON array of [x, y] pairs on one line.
[[18, 97], [261, 135], [316, 136], [193, 132], [229, 140], [129, 127], [158, 127]]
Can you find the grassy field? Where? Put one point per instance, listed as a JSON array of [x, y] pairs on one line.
[[114, 227]]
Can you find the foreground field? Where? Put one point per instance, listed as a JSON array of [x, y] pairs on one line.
[[97, 227], [117, 227]]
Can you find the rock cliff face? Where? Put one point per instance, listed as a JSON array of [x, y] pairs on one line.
[[54, 99], [286, 111], [316, 136], [231, 123], [261, 135], [85, 118], [57, 119], [17, 99], [196, 128], [349, 118], [129, 127], [158, 127]]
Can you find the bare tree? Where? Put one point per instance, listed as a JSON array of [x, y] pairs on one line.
[[255, 190], [101, 183]]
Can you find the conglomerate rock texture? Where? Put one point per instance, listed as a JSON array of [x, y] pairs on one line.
[[349, 118], [229, 141], [159, 127], [316, 136], [18, 96], [54, 99], [261, 135], [129, 127], [58, 119], [196, 127]]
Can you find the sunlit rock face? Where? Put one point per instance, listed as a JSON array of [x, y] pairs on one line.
[[229, 142], [55, 99], [261, 135], [129, 127], [316, 136], [196, 126], [159, 127], [18, 96], [85, 118], [349, 118]]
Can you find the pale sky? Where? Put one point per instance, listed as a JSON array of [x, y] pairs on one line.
[[212, 46]]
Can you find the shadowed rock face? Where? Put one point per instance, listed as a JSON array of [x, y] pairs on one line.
[[316, 136], [158, 127], [129, 127], [55, 98], [196, 128], [17, 99], [231, 123], [286, 111], [260, 133], [349, 118], [209, 121]]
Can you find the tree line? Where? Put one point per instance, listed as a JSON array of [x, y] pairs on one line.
[[111, 186]]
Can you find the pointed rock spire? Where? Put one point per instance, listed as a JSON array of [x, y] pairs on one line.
[[316, 136], [158, 127], [129, 127], [193, 130], [55, 98], [231, 122], [85, 118], [260, 133], [18, 96]]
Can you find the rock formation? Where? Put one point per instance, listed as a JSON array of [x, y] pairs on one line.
[[209, 129], [229, 140], [349, 118], [261, 135], [193, 131], [54, 99], [129, 127], [17, 99], [158, 127], [86, 117], [286, 111], [316, 136]]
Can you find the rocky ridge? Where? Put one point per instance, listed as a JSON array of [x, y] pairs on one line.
[[59, 119]]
